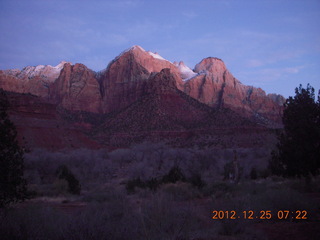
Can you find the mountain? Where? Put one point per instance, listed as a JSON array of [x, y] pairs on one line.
[[34, 80], [215, 86], [139, 91], [77, 88], [123, 80], [164, 112]]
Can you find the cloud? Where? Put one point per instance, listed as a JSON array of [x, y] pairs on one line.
[[252, 63], [293, 70], [265, 76], [189, 14]]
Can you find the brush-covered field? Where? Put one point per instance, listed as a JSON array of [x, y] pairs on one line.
[[152, 191]]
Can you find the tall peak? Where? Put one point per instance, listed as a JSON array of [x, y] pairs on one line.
[[211, 64], [137, 47]]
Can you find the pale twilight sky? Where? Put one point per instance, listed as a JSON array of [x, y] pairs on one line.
[[272, 44]]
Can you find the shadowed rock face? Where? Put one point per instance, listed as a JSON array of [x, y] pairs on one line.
[[124, 81], [40, 125]]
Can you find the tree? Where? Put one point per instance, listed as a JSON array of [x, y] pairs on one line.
[[12, 183], [298, 149], [64, 173]]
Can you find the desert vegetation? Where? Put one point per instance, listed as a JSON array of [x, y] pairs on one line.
[[152, 191]]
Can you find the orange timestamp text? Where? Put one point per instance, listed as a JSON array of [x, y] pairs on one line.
[[263, 214]]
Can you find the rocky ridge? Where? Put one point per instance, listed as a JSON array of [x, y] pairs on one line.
[[123, 82]]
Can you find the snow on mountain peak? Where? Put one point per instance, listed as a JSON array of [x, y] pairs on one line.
[[47, 72], [61, 65], [156, 55], [137, 47], [185, 72], [153, 54]]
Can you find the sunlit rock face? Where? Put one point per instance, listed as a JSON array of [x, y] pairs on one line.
[[217, 87], [35, 80], [124, 81], [139, 96], [77, 89]]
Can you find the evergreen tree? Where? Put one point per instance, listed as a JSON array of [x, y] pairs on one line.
[[12, 183], [298, 149]]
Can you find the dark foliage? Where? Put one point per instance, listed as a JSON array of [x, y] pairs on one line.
[[152, 184], [298, 149], [174, 175], [253, 173], [197, 181], [73, 184], [132, 184], [12, 183]]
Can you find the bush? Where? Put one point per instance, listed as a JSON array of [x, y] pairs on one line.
[[197, 181], [253, 173], [132, 184], [63, 173], [61, 186], [174, 175]]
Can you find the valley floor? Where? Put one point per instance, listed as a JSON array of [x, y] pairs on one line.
[[152, 191]]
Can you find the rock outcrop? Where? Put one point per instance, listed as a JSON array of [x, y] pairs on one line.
[[123, 80], [77, 89], [215, 86], [40, 125]]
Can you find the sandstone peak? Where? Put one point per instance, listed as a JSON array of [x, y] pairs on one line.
[[136, 49], [210, 64]]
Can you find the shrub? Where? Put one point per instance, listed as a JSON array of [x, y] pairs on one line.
[[61, 186], [197, 181], [63, 173], [253, 173], [132, 184], [174, 175], [152, 184]]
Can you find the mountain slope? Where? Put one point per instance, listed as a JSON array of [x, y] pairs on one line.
[[164, 110]]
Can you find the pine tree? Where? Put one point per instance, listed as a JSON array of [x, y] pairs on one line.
[[298, 149], [12, 183]]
